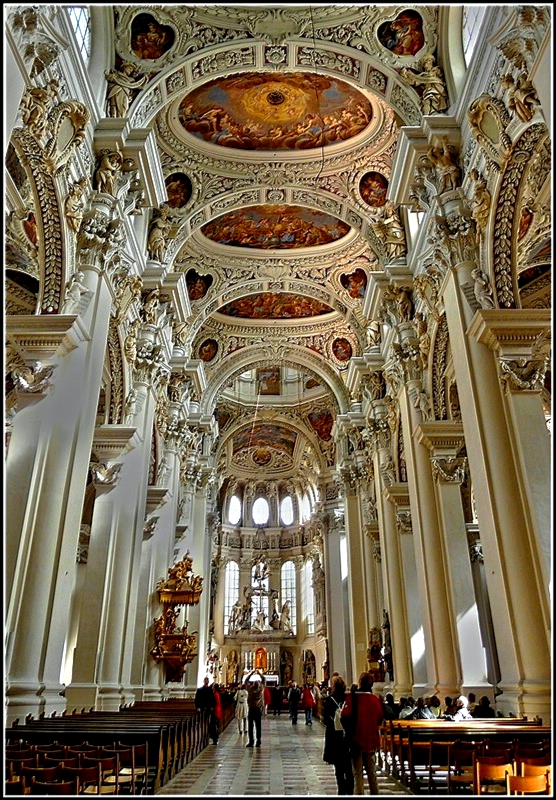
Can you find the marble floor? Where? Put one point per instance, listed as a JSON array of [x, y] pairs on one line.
[[289, 762]]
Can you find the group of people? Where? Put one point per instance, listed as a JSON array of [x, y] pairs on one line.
[[454, 709], [351, 718]]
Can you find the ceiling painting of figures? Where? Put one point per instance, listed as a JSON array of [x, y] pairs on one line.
[[264, 435], [404, 35], [275, 227], [149, 39], [268, 305], [275, 111], [322, 422]]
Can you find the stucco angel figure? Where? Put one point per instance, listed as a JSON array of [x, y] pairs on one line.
[[285, 621]]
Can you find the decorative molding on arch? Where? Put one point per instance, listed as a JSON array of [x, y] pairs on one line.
[[440, 342], [507, 214], [296, 357]]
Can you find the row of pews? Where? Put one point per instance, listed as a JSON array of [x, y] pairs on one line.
[[418, 753], [171, 733]]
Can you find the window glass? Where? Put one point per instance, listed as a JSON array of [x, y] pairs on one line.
[[81, 24], [287, 591], [471, 23], [260, 511], [234, 510], [305, 509], [231, 591], [309, 597], [286, 510]]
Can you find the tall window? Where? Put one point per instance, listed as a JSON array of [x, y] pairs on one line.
[[305, 508], [287, 590], [309, 596], [231, 591], [260, 511], [234, 510], [286, 510], [471, 23], [81, 23]]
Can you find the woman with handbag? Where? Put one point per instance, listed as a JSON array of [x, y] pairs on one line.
[[362, 715], [336, 750]]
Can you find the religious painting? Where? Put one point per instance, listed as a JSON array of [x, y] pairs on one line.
[[525, 220], [262, 456], [178, 189], [342, 349], [149, 39], [310, 383], [404, 35], [355, 283], [266, 435], [275, 227], [197, 285], [268, 380], [208, 349], [275, 111], [373, 188], [321, 422], [268, 305], [30, 228]]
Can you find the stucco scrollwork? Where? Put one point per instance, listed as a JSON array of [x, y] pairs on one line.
[[488, 120]]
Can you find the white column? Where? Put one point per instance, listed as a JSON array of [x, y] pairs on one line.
[[510, 537], [338, 631]]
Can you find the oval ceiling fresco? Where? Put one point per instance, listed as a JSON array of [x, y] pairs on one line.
[[275, 111], [275, 227], [268, 305]]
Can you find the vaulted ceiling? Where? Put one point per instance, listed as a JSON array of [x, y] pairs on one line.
[[277, 128]]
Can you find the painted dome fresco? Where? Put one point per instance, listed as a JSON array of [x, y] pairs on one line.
[[275, 227], [275, 111]]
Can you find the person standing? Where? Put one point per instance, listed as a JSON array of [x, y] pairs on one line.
[[255, 702], [267, 699], [336, 749], [204, 701], [367, 710], [308, 700], [241, 709], [294, 697], [277, 700], [215, 714]]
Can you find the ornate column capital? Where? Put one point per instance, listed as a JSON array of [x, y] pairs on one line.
[[105, 475], [449, 469], [521, 340], [403, 520], [110, 442]]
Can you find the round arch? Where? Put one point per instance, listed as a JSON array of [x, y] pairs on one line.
[[292, 356]]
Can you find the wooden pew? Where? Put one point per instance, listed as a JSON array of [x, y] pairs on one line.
[[405, 742]]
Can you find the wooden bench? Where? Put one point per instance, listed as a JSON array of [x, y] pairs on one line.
[[407, 743]]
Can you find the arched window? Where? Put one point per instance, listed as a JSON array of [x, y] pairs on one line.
[[260, 511], [81, 24], [471, 23], [286, 510], [287, 590], [305, 508], [234, 510], [309, 597], [231, 591]]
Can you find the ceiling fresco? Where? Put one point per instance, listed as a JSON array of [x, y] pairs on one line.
[[265, 435], [268, 305], [275, 111], [276, 227], [404, 35]]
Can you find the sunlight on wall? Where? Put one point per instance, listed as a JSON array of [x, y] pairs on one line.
[[418, 645]]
